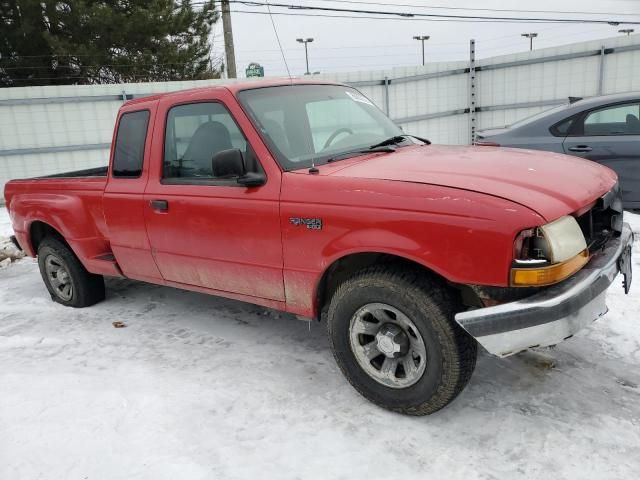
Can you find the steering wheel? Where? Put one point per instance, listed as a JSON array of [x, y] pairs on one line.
[[333, 136]]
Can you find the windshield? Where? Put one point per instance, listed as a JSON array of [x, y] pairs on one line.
[[306, 124]]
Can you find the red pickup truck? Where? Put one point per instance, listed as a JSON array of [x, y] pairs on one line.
[[304, 197]]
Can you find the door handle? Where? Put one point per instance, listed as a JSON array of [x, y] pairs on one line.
[[580, 148], [159, 205]]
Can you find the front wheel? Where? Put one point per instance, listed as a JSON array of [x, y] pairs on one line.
[[394, 338], [68, 282]]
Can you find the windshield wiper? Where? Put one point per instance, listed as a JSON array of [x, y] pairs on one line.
[[388, 146], [395, 140], [424, 140], [353, 153]]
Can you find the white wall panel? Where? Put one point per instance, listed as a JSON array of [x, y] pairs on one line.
[[453, 129], [433, 95], [622, 72], [35, 165]]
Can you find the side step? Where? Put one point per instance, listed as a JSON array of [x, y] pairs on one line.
[[104, 264]]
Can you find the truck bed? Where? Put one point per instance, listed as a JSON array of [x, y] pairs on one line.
[[79, 180], [77, 184], [88, 172], [72, 202]]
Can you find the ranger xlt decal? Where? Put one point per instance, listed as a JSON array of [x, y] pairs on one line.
[[311, 223]]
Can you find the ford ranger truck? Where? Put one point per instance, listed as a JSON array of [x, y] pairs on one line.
[[304, 197]]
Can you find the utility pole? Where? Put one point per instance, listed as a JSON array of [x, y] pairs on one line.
[[422, 38], [228, 39], [530, 36], [628, 31], [306, 52]]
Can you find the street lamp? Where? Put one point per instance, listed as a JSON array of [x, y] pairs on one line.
[[530, 36], [422, 38], [306, 52], [628, 31]]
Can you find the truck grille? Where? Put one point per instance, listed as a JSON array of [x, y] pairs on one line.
[[603, 221]]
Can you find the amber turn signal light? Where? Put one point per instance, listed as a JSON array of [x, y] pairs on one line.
[[539, 277]]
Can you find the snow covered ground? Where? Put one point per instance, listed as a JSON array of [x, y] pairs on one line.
[[200, 387]]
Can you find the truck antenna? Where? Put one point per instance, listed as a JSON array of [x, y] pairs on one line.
[[275, 30]]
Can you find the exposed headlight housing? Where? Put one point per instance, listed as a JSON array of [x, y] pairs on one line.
[[548, 254]]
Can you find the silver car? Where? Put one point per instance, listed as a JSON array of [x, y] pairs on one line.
[[603, 129]]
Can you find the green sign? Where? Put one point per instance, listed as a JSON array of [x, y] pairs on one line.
[[254, 70]]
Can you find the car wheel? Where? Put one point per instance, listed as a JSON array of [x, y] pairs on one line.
[[393, 336], [68, 282]]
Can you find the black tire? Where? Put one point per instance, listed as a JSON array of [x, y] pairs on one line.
[[86, 288], [450, 351]]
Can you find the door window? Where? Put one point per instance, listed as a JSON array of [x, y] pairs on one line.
[[194, 134], [613, 120], [128, 155]]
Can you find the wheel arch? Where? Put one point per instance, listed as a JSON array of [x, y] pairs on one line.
[[39, 230], [346, 265]]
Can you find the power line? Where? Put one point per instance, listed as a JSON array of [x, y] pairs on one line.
[[435, 44], [408, 45], [449, 17], [390, 19], [409, 53], [512, 10], [403, 45], [277, 50]]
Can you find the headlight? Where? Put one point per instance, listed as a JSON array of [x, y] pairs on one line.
[[548, 254]]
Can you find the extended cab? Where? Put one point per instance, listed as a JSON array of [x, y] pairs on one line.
[[305, 197]]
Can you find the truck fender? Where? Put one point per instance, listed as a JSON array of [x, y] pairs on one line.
[[66, 214]]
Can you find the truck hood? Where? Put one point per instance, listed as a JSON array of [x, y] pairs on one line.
[[550, 184]]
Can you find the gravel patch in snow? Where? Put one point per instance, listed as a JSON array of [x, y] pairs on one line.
[[201, 387], [8, 251]]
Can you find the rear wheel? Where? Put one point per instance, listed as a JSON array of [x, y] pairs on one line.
[[394, 338], [68, 282]]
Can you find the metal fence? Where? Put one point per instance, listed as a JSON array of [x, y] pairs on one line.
[[45, 130]]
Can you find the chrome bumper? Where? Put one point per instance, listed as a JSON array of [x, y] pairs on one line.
[[554, 314]]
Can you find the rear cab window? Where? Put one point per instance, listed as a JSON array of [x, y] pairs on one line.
[[128, 155]]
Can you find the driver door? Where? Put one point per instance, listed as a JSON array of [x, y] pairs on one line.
[[206, 231]]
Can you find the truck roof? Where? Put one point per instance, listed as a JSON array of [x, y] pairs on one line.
[[235, 87]]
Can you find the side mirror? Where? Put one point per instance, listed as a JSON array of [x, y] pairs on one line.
[[228, 163], [252, 179]]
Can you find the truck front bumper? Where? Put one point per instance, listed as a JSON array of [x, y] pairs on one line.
[[555, 313]]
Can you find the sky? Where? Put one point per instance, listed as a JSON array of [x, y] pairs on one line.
[[347, 44]]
